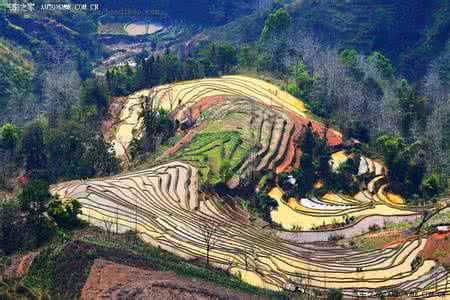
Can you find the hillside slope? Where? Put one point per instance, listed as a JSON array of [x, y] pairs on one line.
[[410, 33]]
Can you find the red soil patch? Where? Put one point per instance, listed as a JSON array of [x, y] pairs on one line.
[[174, 149], [204, 103], [109, 280], [20, 264], [292, 159], [437, 248], [334, 137], [291, 154]]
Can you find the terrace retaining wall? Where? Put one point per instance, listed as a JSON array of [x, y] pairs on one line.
[[360, 227]]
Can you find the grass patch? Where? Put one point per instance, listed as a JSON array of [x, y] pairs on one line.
[[219, 149], [369, 241], [215, 154]]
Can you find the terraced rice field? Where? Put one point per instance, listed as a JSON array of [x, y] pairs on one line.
[[307, 214], [182, 96], [141, 28], [242, 123], [163, 204]]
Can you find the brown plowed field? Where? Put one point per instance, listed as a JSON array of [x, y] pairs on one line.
[[108, 280]]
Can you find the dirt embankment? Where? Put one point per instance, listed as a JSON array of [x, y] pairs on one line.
[[19, 266], [108, 280], [437, 248], [115, 107]]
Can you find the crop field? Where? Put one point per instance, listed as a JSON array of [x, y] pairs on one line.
[[111, 28], [141, 28], [184, 95], [238, 125], [332, 208], [163, 204], [133, 29]]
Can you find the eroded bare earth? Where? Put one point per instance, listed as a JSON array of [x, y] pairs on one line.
[[108, 280]]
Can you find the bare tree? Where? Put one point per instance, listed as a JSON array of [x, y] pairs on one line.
[[62, 90], [210, 231], [108, 228], [438, 97]]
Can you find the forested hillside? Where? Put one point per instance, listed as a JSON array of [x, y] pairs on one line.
[[206, 12], [35, 47], [411, 33]]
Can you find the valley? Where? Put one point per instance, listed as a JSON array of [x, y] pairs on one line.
[[225, 150]]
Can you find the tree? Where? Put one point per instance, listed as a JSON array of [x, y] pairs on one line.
[[350, 58], [62, 90], [33, 150], [334, 294], [323, 154], [431, 185], [276, 24], [192, 69], [11, 234], [100, 155], [412, 109], [95, 93], [306, 176], [224, 56], [64, 150], [33, 201], [9, 137], [273, 40], [217, 58], [265, 204], [158, 125], [405, 163], [65, 214], [151, 107], [7, 170], [382, 64], [75, 151], [211, 231], [247, 56], [171, 68], [303, 80]]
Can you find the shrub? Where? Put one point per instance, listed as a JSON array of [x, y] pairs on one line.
[[65, 215], [430, 185], [374, 228], [335, 237], [294, 90], [334, 294], [416, 262]]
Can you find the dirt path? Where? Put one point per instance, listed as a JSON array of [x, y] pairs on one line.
[[108, 280]]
